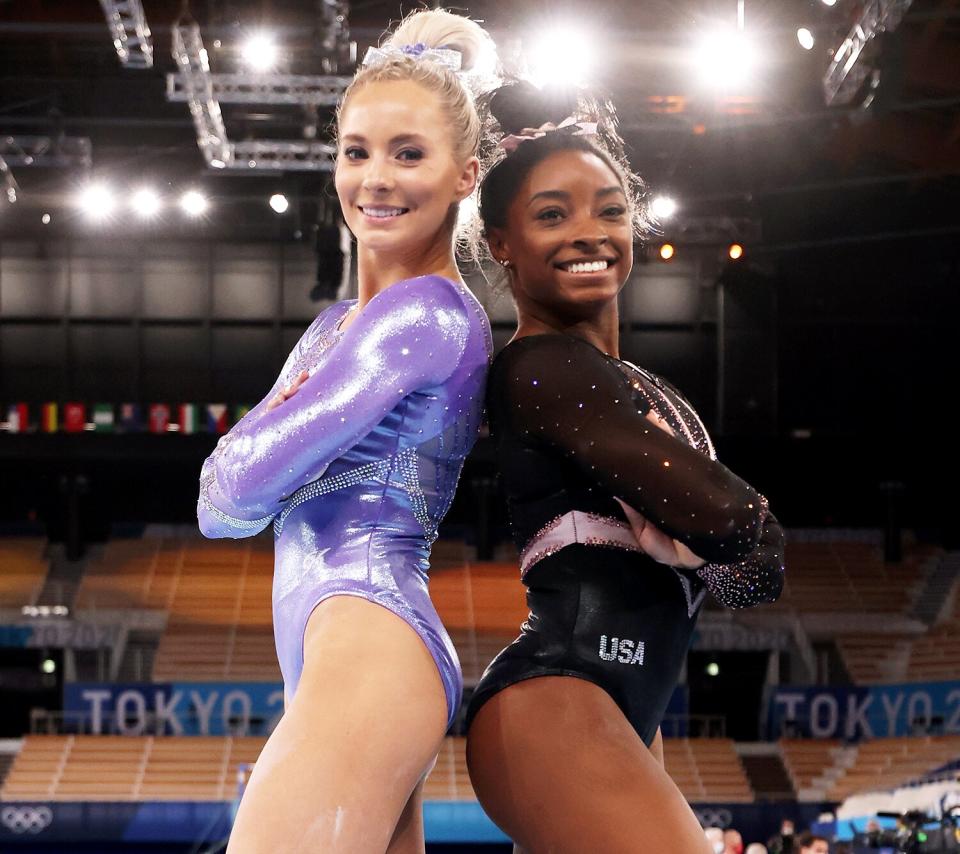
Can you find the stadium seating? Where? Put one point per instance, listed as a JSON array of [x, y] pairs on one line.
[[850, 576], [707, 770], [119, 768], [813, 764], [830, 770], [888, 762], [23, 569], [206, 768], [935, 656]]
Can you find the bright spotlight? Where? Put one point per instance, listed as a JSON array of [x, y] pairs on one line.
[[726, 58], [45, 219], [260, 52], [735, 251], [829, 2], [48, 665], [663, 207], [561, 57], [97, 200], [145, 202], [194, 203], [666, 251], [278, 201], [713, 669], [805, 37]]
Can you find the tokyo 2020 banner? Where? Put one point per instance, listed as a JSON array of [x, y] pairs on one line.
[[173, 708], [865, 711]]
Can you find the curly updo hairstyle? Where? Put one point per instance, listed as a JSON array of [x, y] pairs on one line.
[[519, 105]]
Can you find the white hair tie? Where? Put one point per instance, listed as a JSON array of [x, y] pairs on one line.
[[445, 56]]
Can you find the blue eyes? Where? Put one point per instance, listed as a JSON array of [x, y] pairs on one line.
[[408, 155]]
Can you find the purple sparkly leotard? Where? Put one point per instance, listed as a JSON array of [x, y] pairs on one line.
[[356, 470]]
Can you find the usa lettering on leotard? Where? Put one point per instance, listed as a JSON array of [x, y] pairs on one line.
[[625, 651]]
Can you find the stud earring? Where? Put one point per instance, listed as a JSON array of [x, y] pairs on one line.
[[505, 262]]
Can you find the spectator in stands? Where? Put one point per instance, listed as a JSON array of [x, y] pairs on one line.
[[562, 761], [732, 842], [811, 843], [354, 457], [783, 842]]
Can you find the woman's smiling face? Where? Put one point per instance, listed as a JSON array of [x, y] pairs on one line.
[[397, 177], [568, 235]]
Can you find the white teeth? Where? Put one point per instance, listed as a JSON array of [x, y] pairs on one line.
[[383, 213], [587, 267]]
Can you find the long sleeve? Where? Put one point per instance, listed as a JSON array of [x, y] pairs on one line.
[[562, 391], [409, 337], [755, 579]]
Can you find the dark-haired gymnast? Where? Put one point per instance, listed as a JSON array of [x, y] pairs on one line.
[[623, 515]]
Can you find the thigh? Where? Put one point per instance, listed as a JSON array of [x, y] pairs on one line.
[[364, 725], [557, 766], [408, 834]]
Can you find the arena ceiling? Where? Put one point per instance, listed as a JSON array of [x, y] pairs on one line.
[[887, 161]]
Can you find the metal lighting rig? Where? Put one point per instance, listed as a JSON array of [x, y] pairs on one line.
[[849, 69], [131, 34], [204, 92]]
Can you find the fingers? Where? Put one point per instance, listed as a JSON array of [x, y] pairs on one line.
[[688, 560], [656, 419], [288, 392], [637, 521]]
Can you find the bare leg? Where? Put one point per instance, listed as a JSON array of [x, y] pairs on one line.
[[365, 724], [556, 765], [408, 834], [656, 748]]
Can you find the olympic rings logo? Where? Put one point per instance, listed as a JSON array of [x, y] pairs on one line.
[[714, 818], [26, 819]]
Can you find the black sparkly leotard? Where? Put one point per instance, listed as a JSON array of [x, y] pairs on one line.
[[571, 432]]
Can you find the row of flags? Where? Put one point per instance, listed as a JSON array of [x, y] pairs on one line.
[[123, 418]]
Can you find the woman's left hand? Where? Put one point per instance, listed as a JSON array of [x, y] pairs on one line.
[[286, 393], [656, 544]]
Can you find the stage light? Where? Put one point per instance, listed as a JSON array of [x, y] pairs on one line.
[[278, 201], [829, 2], [146, 202], [805, 37], [48, 665], [666, 251], [726, 58], [194, 203], [97, 200], [713, 669], [735, 251], [260, 52], [561, 57], [45, 219], [663, 207]]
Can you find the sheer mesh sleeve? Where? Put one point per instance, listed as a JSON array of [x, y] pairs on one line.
[[409, 337], [755, 579], [563, 392]]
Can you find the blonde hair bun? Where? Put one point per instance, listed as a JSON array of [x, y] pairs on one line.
[[438, 28]]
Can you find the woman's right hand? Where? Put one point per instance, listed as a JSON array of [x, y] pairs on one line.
[[653, 416], [288, 392], [656, 544]]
